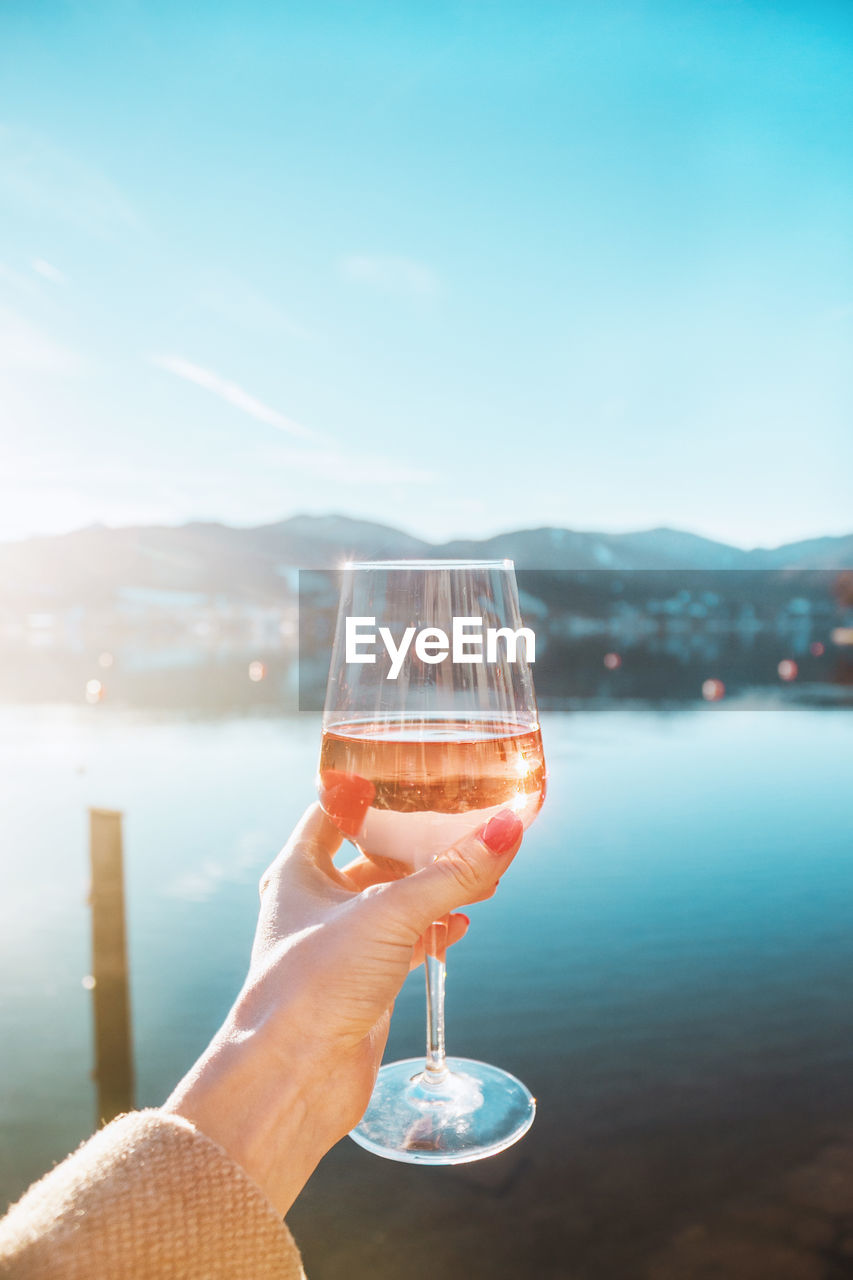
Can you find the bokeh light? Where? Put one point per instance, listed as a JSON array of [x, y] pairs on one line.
[[257, 671], [713, 690], [612, 661], [105, 660], [817, 648], [788, 670], [94, 691]]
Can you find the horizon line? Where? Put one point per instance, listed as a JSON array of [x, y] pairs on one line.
[[477, 538]]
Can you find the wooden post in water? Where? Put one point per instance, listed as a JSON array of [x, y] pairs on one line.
[[113, 1050]]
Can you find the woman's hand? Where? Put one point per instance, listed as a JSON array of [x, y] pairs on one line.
[[293, 1067]]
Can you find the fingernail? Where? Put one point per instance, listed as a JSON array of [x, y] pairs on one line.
[[502, 832], [462, 916]]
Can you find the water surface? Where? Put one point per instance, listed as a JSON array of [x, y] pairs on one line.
[[668, 966]]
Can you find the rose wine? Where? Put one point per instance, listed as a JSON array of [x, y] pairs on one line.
[[405, 791]]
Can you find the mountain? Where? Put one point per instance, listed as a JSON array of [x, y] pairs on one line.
[[319, 541], [815, 553], [554, 548], [91, 566]]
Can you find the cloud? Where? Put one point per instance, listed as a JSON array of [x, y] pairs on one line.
[[46, 180], [389, 274], [18, 282], [49, 272], [231, 393], [339, 466], [228, 297], [27, 348]]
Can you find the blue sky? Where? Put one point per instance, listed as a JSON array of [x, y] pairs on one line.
[[457, 267]]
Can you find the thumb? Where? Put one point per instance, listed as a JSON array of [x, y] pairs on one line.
[[465, 873]]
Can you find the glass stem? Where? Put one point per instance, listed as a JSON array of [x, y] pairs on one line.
[[434, 963]]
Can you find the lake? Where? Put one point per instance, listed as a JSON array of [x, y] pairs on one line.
[[668, 966]]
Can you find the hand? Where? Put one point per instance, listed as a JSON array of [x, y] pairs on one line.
[[292, 1069]]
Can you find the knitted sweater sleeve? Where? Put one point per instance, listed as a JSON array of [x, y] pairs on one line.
[[149, 1197]]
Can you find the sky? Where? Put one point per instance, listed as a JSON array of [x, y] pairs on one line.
[[456, 267]]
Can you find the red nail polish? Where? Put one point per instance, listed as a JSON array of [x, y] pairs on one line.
[[502, 832]]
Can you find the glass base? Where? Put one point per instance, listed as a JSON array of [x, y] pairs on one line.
[[470, 1112]]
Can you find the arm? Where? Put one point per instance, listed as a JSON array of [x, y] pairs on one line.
[[302, 1045], [206, 1180], [147, 1198]]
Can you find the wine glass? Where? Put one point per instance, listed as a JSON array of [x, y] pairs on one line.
[[419, 750]]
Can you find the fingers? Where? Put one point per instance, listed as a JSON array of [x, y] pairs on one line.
[[361, 872], [466, 873], [315, 838], [457, 927]]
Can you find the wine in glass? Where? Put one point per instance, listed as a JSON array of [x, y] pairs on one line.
[[420, 748]]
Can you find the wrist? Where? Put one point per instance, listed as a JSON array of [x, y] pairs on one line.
[[257, 1102]]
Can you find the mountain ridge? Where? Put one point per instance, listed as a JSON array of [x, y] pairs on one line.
[[92, 565]]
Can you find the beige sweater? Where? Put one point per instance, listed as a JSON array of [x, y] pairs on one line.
[[147, 1198]]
